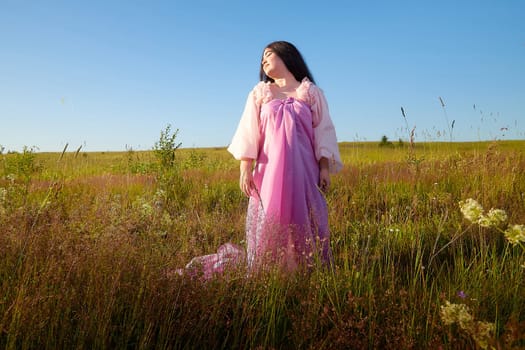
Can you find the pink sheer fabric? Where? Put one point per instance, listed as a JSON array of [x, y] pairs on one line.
[[287, 218], [228, 256]]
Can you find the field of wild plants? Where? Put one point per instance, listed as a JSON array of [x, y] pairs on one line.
[[428, 240]]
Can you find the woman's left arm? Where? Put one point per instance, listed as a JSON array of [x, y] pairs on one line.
[[324, 174], [324, 132]]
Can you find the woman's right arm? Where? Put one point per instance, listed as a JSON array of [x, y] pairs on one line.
[[246, 179], [245, 141]]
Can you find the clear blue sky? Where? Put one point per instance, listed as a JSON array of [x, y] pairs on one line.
[[111, 74]]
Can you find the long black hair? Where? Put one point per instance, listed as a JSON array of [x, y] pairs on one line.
[[292, 58]]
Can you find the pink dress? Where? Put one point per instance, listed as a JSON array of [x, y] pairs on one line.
[[287, 219]]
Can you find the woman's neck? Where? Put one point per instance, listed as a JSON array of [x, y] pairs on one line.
[[287, 80], [284, 82], [284, 88]]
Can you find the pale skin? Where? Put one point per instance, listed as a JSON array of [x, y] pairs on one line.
[[285, 85]]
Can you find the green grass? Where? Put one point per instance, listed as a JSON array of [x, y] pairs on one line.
[[89, 243]]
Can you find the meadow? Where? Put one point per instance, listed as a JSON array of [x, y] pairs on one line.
[[89, 243]]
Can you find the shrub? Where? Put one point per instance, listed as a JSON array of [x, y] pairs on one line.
[[165, 148]]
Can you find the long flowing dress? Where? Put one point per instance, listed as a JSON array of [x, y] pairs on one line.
[[287, 218]]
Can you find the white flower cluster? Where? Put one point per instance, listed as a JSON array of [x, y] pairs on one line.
[[455, 313], [473, 211], [495, 217], [482, 332], [515, 234]]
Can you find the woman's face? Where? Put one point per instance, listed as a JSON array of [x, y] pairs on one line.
[[272, 65]]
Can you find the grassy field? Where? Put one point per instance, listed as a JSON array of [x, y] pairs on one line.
[[89, 243]]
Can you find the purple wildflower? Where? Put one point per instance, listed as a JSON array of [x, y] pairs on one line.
[[462, 294]]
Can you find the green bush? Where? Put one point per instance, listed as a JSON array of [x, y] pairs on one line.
[[165, 148], [20, 165]]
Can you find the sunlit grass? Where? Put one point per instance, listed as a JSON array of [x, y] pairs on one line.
[[89, 243]]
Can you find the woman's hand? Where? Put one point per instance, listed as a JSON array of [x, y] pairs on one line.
[[324, 175], [246, 180]]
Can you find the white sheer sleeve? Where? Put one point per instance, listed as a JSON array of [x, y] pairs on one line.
[[245, 142], [324, 131]]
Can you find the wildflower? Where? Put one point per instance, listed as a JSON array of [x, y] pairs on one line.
[[494, 218], [471, 210], [515, 234], [482, 333], [146, 209], [452, 313], [462, 294]]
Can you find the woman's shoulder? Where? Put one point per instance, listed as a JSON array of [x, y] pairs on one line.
[[309, 91], [261, 92], [259, 87]]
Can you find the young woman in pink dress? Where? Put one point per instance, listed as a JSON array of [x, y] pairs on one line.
[[287, 147]]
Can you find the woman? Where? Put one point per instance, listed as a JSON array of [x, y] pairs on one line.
[[287, 146]]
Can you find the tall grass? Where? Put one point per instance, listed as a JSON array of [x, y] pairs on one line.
[[89, 243]]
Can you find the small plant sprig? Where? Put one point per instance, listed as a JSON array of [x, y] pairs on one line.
[[450, 126], [412, 158]]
